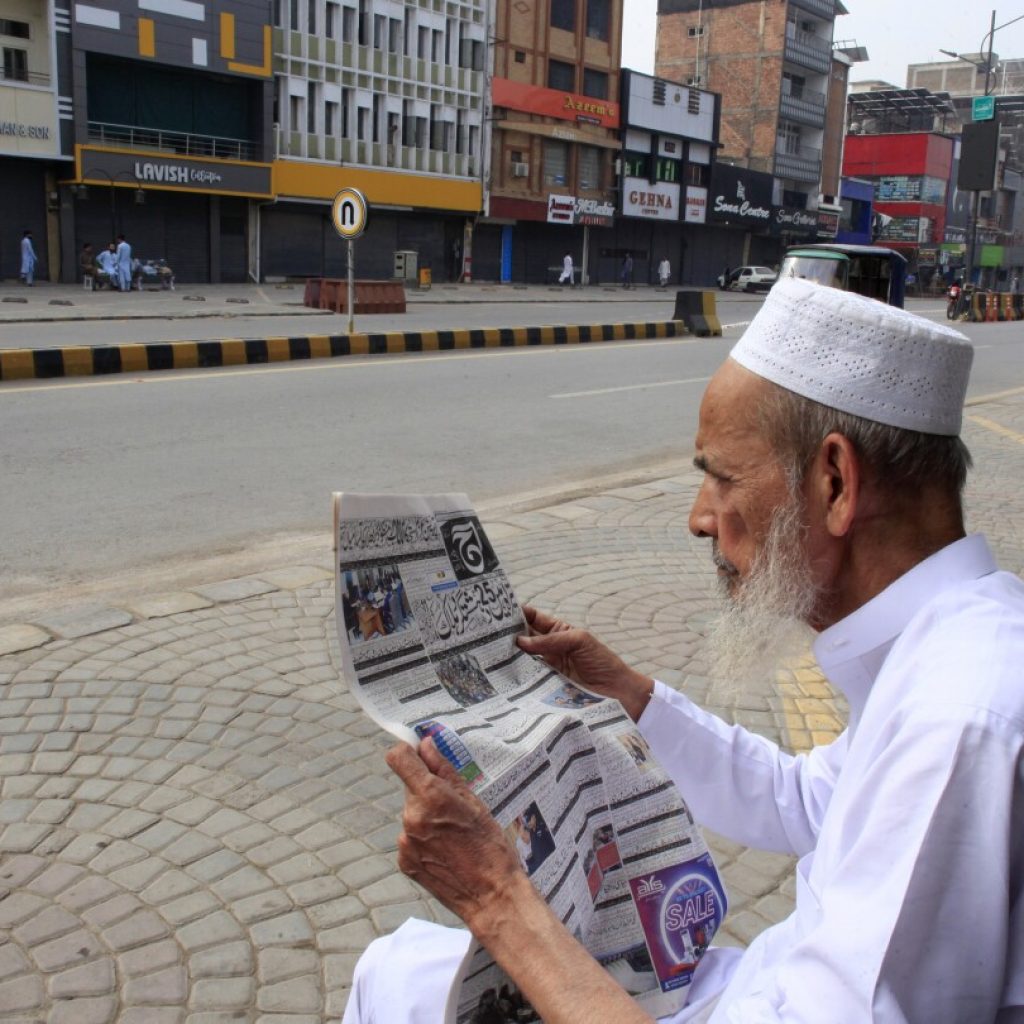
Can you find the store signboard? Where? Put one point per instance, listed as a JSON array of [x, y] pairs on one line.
[[652, 200], [898, 189], [567, 106], [599, 213], [696, 204], [740, 196], [28, 123]]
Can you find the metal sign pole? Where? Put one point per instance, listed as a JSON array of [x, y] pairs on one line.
[[351, 287]]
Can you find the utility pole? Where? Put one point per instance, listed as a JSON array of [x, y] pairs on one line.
[[972, 232]]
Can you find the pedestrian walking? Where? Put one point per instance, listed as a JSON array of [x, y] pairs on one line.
[[627, 271], [456, 260], [664, 272], [28, 259], [567, 270], [123, 255]]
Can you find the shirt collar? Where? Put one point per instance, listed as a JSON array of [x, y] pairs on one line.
[[852, 651]]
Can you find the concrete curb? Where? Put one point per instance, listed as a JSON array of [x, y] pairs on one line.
[[85, 360]]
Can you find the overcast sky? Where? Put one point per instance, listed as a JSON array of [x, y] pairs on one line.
[[895, 32]]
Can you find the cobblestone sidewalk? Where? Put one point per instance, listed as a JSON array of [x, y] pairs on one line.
[[196, 825]]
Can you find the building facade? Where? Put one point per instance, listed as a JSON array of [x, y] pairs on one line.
[[555, 112], [35, 129]]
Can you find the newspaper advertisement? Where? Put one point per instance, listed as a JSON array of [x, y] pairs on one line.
[[427, 622]]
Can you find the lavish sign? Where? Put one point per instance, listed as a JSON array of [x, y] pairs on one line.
[[181, 174]]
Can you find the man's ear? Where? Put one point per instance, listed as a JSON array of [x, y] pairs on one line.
[[836, 484]]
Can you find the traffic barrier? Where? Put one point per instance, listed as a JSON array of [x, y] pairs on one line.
[[978, 303], [697, 311], [1018, 305], [370, 297], [311, 297], [992, 308], [1006, 311], [86, 360]]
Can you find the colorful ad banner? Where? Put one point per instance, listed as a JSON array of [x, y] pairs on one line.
[[566, 106]]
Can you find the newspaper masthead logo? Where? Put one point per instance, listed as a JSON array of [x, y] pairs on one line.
[[648, 887], [468, 549]]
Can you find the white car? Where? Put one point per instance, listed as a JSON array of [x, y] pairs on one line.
[[748, 279]]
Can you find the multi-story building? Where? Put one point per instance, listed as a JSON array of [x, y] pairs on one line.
[[670, 133], [555, 110], [384, 96], [172, 105], [772, 65], [35, 130]]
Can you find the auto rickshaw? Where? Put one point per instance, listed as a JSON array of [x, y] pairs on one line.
[[870, 270]]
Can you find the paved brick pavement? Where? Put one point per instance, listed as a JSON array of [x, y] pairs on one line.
[[195, 823]]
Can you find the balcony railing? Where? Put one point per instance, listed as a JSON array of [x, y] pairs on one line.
[[798, 163], [180, 143], [809, 51], [807, 108], [822, 8]]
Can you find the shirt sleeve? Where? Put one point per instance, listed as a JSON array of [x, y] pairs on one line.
[[738, 783], [921, 917]]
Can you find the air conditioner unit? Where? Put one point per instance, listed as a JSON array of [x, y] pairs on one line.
[[520, 170], [695, 80]]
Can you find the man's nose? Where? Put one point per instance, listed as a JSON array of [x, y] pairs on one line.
[[702, 520]]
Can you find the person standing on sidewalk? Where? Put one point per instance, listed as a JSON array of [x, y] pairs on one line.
[[664, 272], [123, 256], [833, 474], [28, 259], [626, 272], [567, 270]]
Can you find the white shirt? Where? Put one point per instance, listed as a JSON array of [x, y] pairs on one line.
[[910, 826]]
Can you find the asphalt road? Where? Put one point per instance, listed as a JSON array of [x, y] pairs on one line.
[[120, 476]]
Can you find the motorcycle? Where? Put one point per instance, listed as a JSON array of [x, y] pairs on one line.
[[953, 303]]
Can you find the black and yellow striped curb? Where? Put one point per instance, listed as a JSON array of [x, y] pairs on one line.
[[87, 360]]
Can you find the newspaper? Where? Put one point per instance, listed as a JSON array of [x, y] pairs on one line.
[[427, 621]]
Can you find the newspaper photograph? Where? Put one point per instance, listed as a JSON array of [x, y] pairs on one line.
[[427, 622]]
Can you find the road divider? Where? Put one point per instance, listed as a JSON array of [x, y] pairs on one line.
[[85, 360]]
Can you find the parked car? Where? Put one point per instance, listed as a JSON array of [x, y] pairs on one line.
[[748, 279]]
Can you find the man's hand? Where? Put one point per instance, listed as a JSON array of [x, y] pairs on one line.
[[585, 660], [450, 844]]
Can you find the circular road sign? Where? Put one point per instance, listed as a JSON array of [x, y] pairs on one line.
[[348, 211]]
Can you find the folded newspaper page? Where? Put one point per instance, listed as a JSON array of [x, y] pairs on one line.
[[427, 621]]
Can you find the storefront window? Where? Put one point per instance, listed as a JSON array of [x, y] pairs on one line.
[[636, 165], [556, 162], [589, 167]]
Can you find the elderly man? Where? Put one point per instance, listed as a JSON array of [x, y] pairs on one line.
[[832, 487]]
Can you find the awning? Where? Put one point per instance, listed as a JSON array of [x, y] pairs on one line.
[[565, 132]]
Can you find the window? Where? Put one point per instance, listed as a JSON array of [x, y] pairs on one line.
[[636, 165], [362, 123], [595, 83], [311, 108], [293, 15], [658, 91], [597, 19], [692, 101], [563, 14], [666, 169], [471, 54], [330, 118], [520, 56], [348, 24], [788, 139], [556, 162], [346, 116], [589, 167], [295, 113], [793, 85], [311, 17], [437, 46], [15, 64], [14, 29], [561, 75], [423, 42], [377, 108], [277, 15], [364, 24], [331, 20], [698, 174], [394, 35], [460, 129], [380, 28], [474, 140], [695, 30]]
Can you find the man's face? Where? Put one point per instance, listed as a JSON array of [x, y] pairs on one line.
[[744, 483]]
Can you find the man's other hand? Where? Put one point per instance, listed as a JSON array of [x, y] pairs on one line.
[[581, 657], [450, 844]]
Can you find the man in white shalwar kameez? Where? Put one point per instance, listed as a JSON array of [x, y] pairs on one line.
[[123, 255], [833, 474]]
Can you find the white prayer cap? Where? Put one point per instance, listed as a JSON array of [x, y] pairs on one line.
[[859, 356]]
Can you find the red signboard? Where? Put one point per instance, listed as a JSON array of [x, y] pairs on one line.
[[566, 106]]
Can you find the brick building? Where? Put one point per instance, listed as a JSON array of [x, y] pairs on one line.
[[774, 65]]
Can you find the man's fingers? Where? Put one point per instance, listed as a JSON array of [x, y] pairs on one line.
[[407, 764], [437, 762], [540, 622], [551, 645]]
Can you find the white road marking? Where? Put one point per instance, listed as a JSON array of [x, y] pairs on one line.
[[631, 387]]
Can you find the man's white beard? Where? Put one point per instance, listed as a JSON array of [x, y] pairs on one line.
[[764, 621]]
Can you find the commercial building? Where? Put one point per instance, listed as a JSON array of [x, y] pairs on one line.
[[775, 67], [555, 115], [387, 97], [35, 130]]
